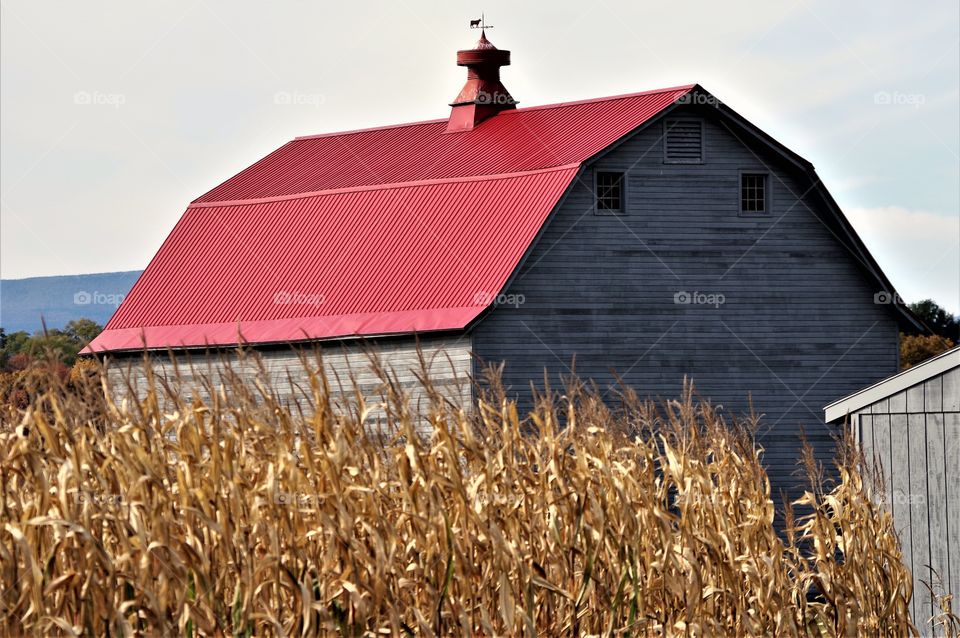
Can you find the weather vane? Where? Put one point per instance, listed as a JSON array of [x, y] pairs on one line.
[[480, 24]]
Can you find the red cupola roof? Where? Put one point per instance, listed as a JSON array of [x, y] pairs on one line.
[[483, 95]]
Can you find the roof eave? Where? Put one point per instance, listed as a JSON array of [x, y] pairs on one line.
[[910, 377]]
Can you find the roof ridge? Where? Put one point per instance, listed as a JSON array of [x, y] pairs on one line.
[[381, 187], [536, 107], [607, 98], [355, 131]]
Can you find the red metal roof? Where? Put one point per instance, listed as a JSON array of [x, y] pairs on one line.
[[382, 231], [525, 139]]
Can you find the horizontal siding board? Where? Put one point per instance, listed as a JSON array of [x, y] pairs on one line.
[[798, 319], [448, 361]]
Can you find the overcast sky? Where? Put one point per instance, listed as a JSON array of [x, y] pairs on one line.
[[116, 114]]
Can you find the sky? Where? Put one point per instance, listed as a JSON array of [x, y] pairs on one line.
[[114, 115]]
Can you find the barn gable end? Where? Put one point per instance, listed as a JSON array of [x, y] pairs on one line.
[[777, 307]]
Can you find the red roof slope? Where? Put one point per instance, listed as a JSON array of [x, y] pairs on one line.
[[383, 231]]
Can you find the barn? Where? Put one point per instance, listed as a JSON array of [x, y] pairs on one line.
[[647, 237], [909, 428]]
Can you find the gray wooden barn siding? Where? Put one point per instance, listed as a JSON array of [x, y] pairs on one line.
[[913, 439], [799, 326], [447, 358]]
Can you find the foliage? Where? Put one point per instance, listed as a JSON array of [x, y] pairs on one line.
[[937, 319], [82, 330], [916, 349], [231, 513], [19, 349], [12, 344], [83, 370]]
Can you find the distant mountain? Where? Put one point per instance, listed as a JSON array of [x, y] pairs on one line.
[[60, 299]]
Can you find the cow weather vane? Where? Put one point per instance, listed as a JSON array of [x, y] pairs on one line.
[[480, 24]]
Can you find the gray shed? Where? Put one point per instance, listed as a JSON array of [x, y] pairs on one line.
[[909, 427]]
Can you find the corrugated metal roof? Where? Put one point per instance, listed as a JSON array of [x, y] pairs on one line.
[[526, 139], [391, 230]]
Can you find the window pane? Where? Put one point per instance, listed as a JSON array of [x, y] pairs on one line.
[[753, 196], [609, 190]]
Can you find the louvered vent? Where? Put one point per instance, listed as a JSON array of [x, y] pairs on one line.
[[683, 141]]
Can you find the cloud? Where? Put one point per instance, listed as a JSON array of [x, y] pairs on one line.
[[918, 250], [90, 184], [850, 183]]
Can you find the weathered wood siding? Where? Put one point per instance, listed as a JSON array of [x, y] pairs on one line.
[[282, 370], [913, 439], [798, 326]]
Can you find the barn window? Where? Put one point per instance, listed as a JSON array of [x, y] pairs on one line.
[[609, 192], [753, 193], [683, 142]]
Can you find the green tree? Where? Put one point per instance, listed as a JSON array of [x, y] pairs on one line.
[[62, 345], [83, 330], [55, 343], [12, 344], [940, 321]]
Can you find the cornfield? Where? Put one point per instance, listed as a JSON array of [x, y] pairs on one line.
[[235, 515]]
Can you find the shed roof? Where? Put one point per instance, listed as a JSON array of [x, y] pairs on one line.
[[382, 231], [892, 385]]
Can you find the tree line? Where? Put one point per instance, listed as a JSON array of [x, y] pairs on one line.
[[945, 328], [20, 350]]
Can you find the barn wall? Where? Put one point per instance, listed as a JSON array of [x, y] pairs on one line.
[[447, 358], [798, 326], [913, 439]]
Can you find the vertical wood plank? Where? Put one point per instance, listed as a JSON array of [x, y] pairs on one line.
[[937, 503], [898, 403], [919, 516], [933, 395], [866, 436], [915, 399], [951, 430], [881, 407], [951, 390], [899, 496], [881, 443]]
